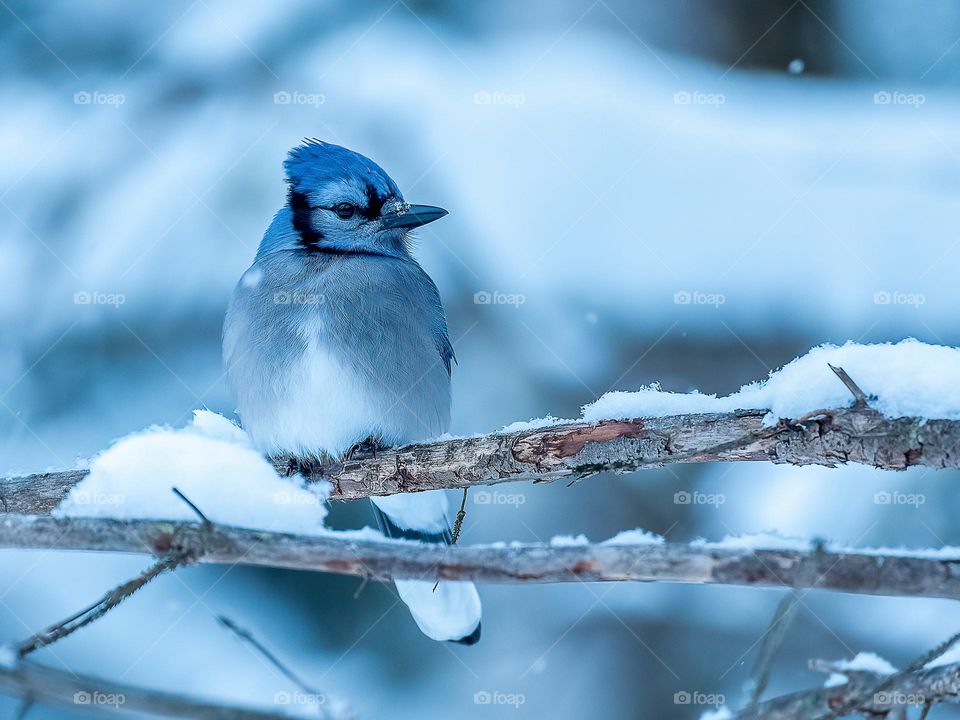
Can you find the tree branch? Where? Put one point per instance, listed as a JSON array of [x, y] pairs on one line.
[[38, 683], [100, 608], [848, 571], [925, 687], [829, 437]]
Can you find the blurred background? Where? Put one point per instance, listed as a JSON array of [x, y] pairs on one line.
[[689, 192]]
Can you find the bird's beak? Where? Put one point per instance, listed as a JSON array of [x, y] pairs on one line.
[[411, 216]]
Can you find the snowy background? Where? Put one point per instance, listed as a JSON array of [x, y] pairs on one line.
[[691, 193]]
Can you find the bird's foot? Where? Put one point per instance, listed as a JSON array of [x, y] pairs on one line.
[[364, 448], [305, 466]]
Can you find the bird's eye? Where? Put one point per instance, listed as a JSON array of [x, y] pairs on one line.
[[344, 210]]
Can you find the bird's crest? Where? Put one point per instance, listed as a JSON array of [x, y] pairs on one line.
[[315, 163]]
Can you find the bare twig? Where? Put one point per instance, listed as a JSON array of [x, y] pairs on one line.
[[363, 586], [100, 608], [38, 683], [871, 693], [112, 598], [838, 570], [772, 640], [859, 396], [203, 518], [458, 523], [827, 437], [285, 670], [927, 687], [457, 527]]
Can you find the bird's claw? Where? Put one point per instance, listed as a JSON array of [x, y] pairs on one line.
[[370, 446]]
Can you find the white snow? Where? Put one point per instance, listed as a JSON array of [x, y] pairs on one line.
[[211, 462], [864, 662], [835, 679], [534, 424], [568, 540], [754, 541], [775, 541], [636, 536], [908, 378], [721, 713]]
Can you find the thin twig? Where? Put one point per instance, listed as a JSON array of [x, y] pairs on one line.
[[362, 586], [100, 608], [248, 637], [112, 598], [457, 526], [458, 523], [203, 518], [772, 641], [859, 395]]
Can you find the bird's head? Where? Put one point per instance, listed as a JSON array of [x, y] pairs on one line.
[[342, 202]]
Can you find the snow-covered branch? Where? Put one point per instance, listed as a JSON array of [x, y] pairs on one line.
[[631, 556], [925, 687], [572, 450]]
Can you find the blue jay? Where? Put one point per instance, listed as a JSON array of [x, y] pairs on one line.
[[335, 336]]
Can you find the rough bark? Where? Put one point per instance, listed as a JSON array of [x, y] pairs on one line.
[[851, 572], [829, 437]]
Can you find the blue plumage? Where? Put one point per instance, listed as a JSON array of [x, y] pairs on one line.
[[335, 335]]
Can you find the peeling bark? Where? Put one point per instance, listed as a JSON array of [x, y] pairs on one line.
[[829, 437]]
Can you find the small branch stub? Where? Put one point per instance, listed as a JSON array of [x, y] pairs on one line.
[[860, 397]]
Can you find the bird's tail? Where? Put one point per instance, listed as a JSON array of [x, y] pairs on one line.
[[452, 611]]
